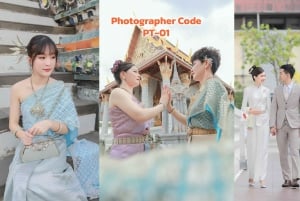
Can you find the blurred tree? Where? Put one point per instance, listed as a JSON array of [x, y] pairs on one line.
[[266, 46], [238, 98], [297, 76]]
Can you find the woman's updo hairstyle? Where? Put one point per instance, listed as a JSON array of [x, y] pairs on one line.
[[118, 67], [255, 71], [208, 53]]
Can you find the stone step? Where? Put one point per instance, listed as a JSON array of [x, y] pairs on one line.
[[1, 192], [24, 3], [36, 27], [10, 37], [86, 77], [92, 136], [7, 79], [24, 8], [4, 119], [26, 18], [79, 36]]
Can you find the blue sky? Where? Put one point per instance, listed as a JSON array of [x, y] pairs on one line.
[[217, 29]]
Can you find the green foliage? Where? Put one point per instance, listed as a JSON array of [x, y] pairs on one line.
[[238, 98], [238, 86], [266, 46]]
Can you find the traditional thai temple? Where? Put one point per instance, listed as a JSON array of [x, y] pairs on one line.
[[160, 63]]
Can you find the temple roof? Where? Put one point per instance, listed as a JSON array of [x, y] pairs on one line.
[[157, 42], [145, 51], [151, 67]]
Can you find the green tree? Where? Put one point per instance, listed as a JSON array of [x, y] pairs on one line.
[[238, 98], [266, 46]]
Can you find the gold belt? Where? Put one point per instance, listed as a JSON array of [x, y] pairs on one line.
[[129, 140], [200, 131]]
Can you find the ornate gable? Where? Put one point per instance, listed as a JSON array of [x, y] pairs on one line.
[[140, 48]]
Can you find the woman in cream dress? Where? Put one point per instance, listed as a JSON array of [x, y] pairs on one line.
[[256, 106]]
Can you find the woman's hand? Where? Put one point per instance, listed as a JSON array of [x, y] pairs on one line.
[[25, 137], [164, 98], [273, 131], [169, 105], [40, 127]]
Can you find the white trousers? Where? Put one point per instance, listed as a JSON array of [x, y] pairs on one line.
[[257, 151]]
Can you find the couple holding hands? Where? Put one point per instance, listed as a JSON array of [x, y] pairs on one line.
[[206, 118]]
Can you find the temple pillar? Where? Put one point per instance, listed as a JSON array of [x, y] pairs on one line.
[[185, 80], [145, 89], [105, 117], [166, 72], [152, 90], [183, 109]]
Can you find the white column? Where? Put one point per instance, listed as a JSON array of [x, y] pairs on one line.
[[105, 117], [145, 89], [166, 71]]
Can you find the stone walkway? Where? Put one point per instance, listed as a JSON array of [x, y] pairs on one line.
[[274, 191]]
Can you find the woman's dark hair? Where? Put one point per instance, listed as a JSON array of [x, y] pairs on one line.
[[118, 67], [230, 91], [208, 53], [255, 71], [38, 44], [288, 69]]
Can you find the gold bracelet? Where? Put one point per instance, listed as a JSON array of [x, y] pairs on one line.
[[172, 110], [15, 133], [60, 127]]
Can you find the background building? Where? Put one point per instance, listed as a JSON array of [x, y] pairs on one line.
[[280, 14]]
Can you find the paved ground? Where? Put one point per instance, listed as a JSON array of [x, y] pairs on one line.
[[1, 192], [274, 191]]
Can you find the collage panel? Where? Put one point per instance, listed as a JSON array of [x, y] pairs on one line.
[[267, 77], [49, 100], [166, 105], [190, 100]]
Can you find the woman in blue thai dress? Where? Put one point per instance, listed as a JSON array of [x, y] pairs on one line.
[[210, 112], [48, 115], [256, 106]]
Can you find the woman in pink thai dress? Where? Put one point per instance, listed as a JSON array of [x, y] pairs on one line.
[[129, 119]]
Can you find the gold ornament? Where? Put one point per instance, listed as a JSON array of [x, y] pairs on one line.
[[38, 109]]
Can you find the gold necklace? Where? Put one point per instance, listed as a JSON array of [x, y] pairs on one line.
[[38, 108]]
